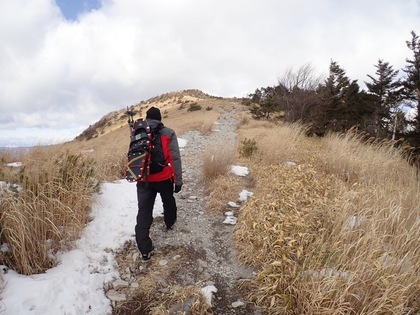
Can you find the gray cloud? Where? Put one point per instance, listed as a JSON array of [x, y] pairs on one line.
[[131, 50]]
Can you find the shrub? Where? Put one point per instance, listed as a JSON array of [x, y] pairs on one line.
[[248, 147], [194, 107]]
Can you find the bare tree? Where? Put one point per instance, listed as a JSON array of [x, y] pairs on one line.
[[296, 92]]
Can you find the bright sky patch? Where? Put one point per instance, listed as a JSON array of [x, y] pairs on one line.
[[72, 8]]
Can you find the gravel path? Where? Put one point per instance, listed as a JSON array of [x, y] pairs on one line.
[[199, 251]]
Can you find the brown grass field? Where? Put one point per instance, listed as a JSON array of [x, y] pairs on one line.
[[333, 226]]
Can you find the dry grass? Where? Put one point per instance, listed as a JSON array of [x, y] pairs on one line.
[[108, 151], [181, 120], [221, 190], [327, 242], [51, 206], [216, 162], [220, 184], [375, 163], [276, 143]]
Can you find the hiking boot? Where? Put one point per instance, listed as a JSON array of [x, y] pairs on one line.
[[148, 255], [170, 228]]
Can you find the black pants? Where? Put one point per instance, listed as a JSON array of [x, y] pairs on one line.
[[146, 195]]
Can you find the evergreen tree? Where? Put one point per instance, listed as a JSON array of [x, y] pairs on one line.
[[344, 106], [264, 103], [412, 82], [385, 92]]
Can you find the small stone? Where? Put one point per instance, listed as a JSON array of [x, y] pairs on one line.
[[289, 164], [202, 263], [237, 304], [135, 256], [176, 257], [184, 307], [163, 262], [134, 285], [160, 280], [118, 284], [115, 296]]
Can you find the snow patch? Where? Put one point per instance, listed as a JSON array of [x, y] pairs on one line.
[[244, 194], [208, 293], [239, 170], [233, 204], [15, 164], [182, 142]]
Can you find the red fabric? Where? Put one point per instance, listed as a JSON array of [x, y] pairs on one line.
[[168, 172]]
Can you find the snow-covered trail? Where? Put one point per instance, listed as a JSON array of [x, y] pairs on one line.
[[75, 285]]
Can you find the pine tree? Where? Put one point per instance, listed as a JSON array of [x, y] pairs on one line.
[[412, 82], [264, 103], [385, 92], [344, 106]]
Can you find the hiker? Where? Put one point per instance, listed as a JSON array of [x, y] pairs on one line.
[[165, 182]]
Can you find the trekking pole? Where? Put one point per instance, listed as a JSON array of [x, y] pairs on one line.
[[130, 115]]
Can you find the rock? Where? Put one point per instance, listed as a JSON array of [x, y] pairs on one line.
[[134, 285], [237, 304], [136, 256], [118, 284], [163, 262], [184, 307], [202, 263], [115, 296], [160, 280]]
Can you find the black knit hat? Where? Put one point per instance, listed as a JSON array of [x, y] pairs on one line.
[[154, 113]]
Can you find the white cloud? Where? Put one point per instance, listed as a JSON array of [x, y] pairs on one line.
[[130, 50]]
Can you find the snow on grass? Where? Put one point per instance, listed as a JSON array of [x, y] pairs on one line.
[[75, 285], [239, 170]]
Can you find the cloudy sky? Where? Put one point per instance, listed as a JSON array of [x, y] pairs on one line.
[[66, 63]]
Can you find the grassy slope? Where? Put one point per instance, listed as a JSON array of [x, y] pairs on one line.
[[337, 233]]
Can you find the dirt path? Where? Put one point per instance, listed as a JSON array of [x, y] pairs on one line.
[[199, 251]]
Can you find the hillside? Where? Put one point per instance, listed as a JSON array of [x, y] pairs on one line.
[[327, 225], [168, 102]]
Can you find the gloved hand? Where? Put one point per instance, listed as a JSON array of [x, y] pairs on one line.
[[177, 188]]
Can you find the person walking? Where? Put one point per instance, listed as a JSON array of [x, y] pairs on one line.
[[165, 182]]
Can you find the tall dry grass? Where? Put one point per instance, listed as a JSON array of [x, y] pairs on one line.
[[337, 234], [220, 184], [276, 143], [50, 206], [354, 160]]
